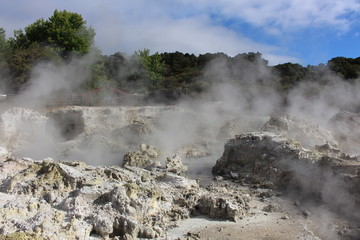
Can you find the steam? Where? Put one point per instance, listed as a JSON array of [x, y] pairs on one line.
[[230, 99], [51, 80], [252, 97], [319, 102], [230, 106]]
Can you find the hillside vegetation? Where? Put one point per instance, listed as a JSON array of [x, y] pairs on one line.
[[65, 36]]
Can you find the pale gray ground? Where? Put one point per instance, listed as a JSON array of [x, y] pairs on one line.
[[147, 195]]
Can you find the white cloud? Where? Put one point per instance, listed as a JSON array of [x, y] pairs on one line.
[[166, 31], [286, 14], [274, 59], [194, 35], [186, 25]]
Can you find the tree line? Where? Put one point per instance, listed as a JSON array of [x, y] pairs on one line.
[[65, 36]]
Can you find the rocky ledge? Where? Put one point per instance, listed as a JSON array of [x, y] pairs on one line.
[[71, 200], [322, 174]]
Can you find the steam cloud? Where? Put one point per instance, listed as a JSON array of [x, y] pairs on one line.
[[244, 103]]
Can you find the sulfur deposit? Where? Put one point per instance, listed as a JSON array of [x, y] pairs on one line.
[[268, 184]]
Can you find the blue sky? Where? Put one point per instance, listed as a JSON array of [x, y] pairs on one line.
[[300, 31]]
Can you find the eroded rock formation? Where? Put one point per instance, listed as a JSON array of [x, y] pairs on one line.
[[271, 160], [145, 191], [67, 200]]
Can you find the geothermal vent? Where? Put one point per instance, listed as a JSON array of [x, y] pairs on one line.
[[69, 123]]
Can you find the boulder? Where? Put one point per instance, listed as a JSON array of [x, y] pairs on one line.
[[174, 164], [299, 129], [270, 159], [217, 207], [145, 157]]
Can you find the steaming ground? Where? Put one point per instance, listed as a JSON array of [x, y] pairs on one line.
[[101, 136], [315, 114]]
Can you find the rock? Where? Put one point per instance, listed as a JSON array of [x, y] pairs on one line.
[[345, 127], [218, 178], [241, 125], [149, 233], [86, 133], [4, 154], [259, 157], [219, 208], [49, 199], [64, 200], [198, 149], [174, 164], [327, 148], [150, 150], [267, 157], [272, 208], [126, 226], [19, 126], [299, 129], [193, 235], [13, 166], [103, 225], [112, 121], [134, 132], [306, 213], [144, 157], [223, 201]]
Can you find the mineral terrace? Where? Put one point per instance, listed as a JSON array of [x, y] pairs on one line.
[[104, 173]]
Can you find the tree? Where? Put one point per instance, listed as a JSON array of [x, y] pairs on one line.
[[64, 30], [348, 68], [290, 74], [98, 77], [4, 46], [22, 61], [4, 55], [180, 69], [154, 68]]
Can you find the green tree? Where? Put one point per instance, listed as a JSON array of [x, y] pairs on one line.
[[4, 45], [290, 74], [98, 77], [4, 55], [22, 61], [348, 68], [154, 68], [180, 70], [64, 30]]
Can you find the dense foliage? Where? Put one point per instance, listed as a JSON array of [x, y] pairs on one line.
[[65, 36], [64, 31], [62, 36]]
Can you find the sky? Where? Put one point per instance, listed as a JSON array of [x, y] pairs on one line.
[[308, 32]]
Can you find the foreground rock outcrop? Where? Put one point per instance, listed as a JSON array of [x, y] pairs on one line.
[[71, 200], [68, 200], [271, 160]]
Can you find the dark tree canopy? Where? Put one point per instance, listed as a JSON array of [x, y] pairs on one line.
[[65, 34], [3, 44], [64, 30], [348, 68], [290, 74]]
